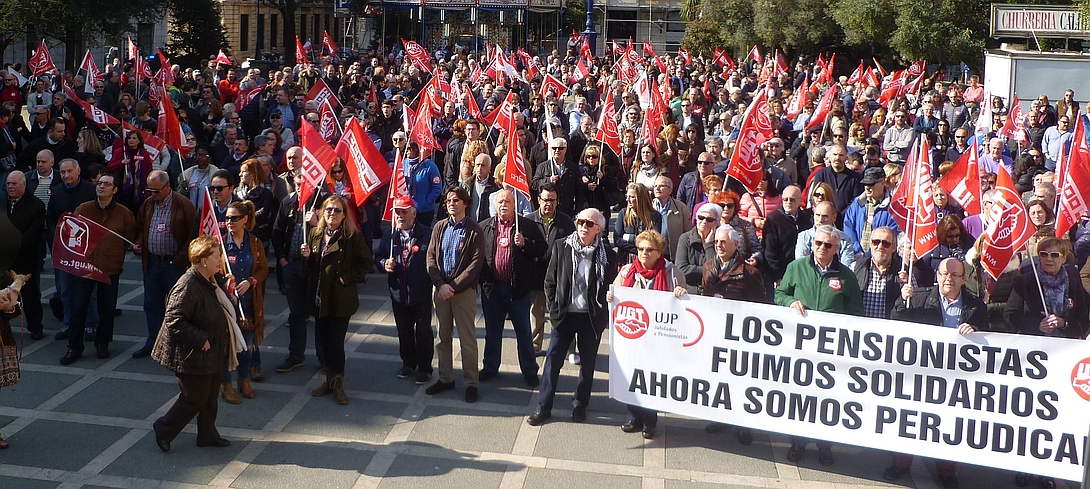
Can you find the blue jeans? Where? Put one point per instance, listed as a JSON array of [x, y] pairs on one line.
[[244, 360], [295, 288], [64, 291], [82, 289], [498, 304], [158, 280]]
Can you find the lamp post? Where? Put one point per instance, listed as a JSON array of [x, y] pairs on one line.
[[589, 33]]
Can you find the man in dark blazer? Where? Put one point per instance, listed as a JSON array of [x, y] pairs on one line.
[[513, 245], [455, 259], [27, 213], [564, 174], [581, 267], [557, 225]]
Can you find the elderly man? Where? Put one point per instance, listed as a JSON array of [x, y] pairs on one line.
[[781, 234], [691, 189], [557, 226], [513, 246], [564, 174], [455, 260], [994, 158], [27, 213], [43, 180], [948, 305], [1057, 141], [877, 273], [677, 218], [821, 283], [581, 267], [293, 160], [845, 181], [166, 223], [403, 255], [777, 158], [824, 214], [868, 211], [480, 186]]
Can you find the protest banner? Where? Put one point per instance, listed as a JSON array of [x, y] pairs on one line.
[[999, 400]]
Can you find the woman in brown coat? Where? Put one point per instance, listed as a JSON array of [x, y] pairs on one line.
[[249, 267]]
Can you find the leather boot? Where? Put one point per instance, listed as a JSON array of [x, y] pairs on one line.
[[229, 394], [325, 388], [245, 389], [337, 384]]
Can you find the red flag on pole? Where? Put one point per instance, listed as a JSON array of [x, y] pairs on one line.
[[781, 64], [322, 94], [398, 187], [515, 168], [165, 76], [318, 158], [912, 204], [580, 72], [823, 108], [327, 125], [210, 226], [421, 130], [584, 49], [248, 95], [607, 126], [222, 59], [88, 66], [96, 114], [1015, 127], [684, 55], [300, 53], [755, 54], [857, 75], [363, 162], [550, 82], [746, 163], [962, 182], [417, 54], [40, 62], [168, 127], [798, 100], [328, 44], [881, 71], [723, 59], [74, 241], [1010, 227], [131, 50], [1074, 183]]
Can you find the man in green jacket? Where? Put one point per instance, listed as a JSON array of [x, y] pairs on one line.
[[821, 283]]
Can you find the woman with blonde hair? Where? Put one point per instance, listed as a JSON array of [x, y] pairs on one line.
[[637, 216], [469, 154], [88, 150]]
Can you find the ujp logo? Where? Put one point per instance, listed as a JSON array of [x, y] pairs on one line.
[[630, 320], [1080, 378]]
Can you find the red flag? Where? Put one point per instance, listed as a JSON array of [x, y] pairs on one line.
[[755, 54], [912, 204], [363, 162], [962, 182], [328, 44], [503, 114], [823, 108], [914, 86], [857, 75], [723, 59], [870, 78], [881, 71], [328, 125], [684, 55], [300, 53], [398, 187], [41, 63], [222, 59], [88, 65], [131, 49], [471, 106], [1015, 127], [96, 114], [781, 64], [798, 100], [650, 51], [248, 95], [1074, 183], [515, 168], [580, 72], [827, 71], [550, 82], [318, 158], [421, 131], [417, 54], [210, 226], [891, 89], [322, 94], [584, 49], [918, 68], [165, 77], [746, 163], [607, 125], [75, 239], [1010, 227], [168, 127]]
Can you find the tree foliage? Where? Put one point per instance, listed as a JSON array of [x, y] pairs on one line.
[[701, 36], [196, 31]]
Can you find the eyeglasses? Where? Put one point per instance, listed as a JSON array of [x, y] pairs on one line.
[[1055, 255], [235, 218], [706, 218], [333, 210], [547, 201], [104, 184], [952, 275], [153, 190], [216, 188], [337, 171], [820, 195], [728, 205], [593, 157], [823, 244], [585, 222], [558, 148], [882, 242]]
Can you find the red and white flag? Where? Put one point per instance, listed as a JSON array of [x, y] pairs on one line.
[[245, 97], [328, 44], [222, 59], [421, 130], [501, 117], [1009, 227], [40, 62], [962, 182], [584, 49], [881, 70], [93, 73], [514, 173], [912, 204], [417, 54], [822, 110], [318, 158], [755, 54], [746, 163], [210, 226], [723, 59], [781, 64], [893, 87], [918, 68], [798, 100], [363, 162], [607, 125], [827, 70], [322, 94], [551, 83], [152, 144], [328, 125], [131, 50], [1074, 183], [96, 114], [580, 72], [857, 75], [870, 78], [1015, 127], [168, 127], [300, 52], [165, 76], [398, 187], [74, 240], [684, 55]]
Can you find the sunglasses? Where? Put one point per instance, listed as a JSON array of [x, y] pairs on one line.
[[646, 249], [876, 242], [585, 222], [706, 218], [728, 205], [1055, 255], [823, 244], [153, 190], [820, 195], [217, 188], [234, 218], [334, 210]]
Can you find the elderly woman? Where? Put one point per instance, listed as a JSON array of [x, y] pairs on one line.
[[652, 271], [198, 334], [751, 245], [637, 216], [696, 245], [944, 205]]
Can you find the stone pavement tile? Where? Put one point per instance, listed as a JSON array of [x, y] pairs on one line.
[[186, 462], [970, 476], [507, 388], [35, 388], [676, 484], [254, 413], [599, 439], [297, 376], [279, 337], [550, 478], [141, 366], [360, 420], [382, 340], [380, 376], [693, 449], [299, 465], [104, 396], [16, 482], [51, 353], [854, 465], [599, 395], [413, 472], [448, 427], [60, 444]]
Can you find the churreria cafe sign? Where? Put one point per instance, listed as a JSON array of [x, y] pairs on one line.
[[999, 400], [1039, 20]]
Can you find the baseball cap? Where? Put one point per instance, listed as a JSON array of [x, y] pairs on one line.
[[404, 202]]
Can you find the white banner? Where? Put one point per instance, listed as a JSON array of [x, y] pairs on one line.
[[1014, 402]]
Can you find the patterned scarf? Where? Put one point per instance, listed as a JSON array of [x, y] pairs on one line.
[[1055, 291], [595, 251]]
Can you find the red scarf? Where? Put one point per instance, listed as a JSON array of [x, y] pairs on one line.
[[656, 274]]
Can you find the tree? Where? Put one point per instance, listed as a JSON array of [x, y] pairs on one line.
[[865, 22], [196, 31], [287, 9], [701, 36], [946, 31]]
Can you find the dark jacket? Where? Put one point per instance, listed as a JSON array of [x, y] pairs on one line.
[[781, 233], [183, 227], [925, 308], [347, 260], [845, 185], [1024, 310], [29, 217], [893, 284], [483, 210], [559, 228], [409, 282], [194, 315], [626, 247], [558, 285], [265, 207], [66, 199], [64, 149], [32, 182], [692, 252], [742, 282], [285, 221], [467, 269], [569, 187], [524, 258]]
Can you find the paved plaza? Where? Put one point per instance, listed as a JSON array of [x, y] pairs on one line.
[[89, 425]]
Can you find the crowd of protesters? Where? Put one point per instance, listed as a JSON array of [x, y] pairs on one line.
[[656, 211]]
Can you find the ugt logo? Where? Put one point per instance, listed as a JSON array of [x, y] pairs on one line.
[[630, 320], [74, 236]]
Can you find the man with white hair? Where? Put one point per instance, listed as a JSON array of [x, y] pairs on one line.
[[821, 283], [581, 267], [677, 218], [560, 171]]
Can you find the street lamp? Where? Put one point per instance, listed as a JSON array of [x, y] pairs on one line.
[[589, 33]]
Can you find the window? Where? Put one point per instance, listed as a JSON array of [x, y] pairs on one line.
[[674, 22], [274, 25], [260, 32], [244, 32], [621, 24], [317, 30], [302, 28]]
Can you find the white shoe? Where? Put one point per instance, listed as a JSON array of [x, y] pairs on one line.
[[573, 358]]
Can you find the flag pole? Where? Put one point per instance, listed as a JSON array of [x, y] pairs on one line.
[[1037, 276], [393, 189]]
